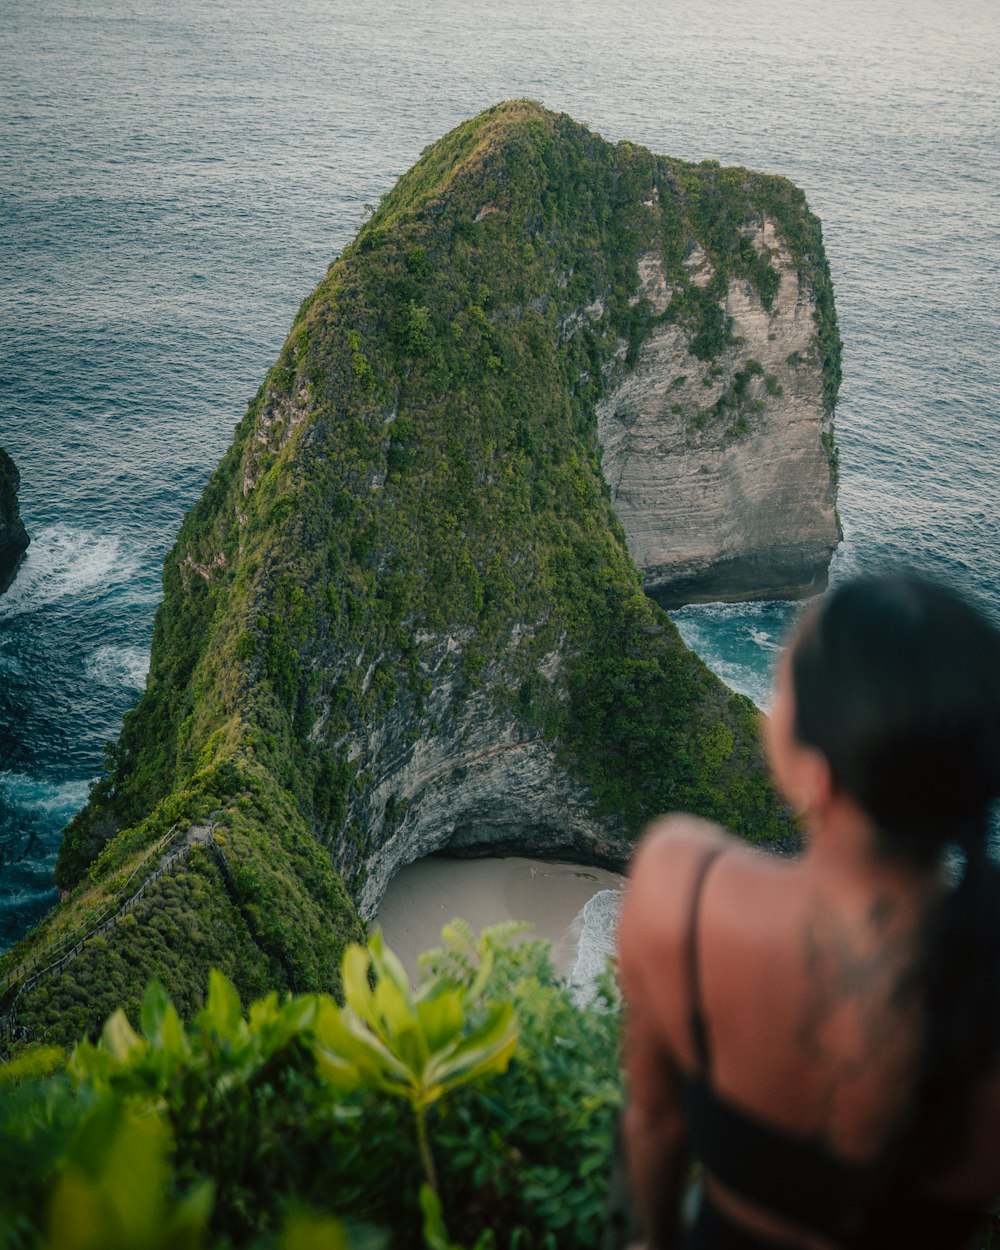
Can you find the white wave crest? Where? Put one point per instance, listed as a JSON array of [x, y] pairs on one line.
[[51, 799], [65, 563], [764, 640], [119, 666], [597, 928]]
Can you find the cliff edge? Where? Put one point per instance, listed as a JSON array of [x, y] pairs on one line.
[[14, 538], [404, 617]]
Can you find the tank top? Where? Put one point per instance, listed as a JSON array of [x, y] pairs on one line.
[[794, 1177]]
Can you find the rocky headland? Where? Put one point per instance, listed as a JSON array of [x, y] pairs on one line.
[[14, 538], [406, 614]]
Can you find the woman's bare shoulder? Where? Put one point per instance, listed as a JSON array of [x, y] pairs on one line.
[[664, 872], [673, 848], [662, 876]]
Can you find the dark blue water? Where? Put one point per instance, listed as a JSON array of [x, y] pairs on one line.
[[175, 178]]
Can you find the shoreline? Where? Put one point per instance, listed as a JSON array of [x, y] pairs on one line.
[[428, 894]]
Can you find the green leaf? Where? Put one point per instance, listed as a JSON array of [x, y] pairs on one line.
[[435, 1233], [119, 1038], [222, 1012], [134, 1176], [357, 991], [154, 1007], [313, 1232], [441, 1018], [394, 1009], [485, 968]]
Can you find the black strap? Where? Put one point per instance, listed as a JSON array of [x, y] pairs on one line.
[[699, 1029]]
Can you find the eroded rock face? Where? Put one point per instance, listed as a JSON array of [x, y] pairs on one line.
[[477, 783], [720, 471], [13, 536]]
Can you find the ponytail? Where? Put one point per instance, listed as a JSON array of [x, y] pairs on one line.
[[959, 973], [897, 682]]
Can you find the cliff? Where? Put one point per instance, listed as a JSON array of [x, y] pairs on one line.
[[403, 617], [720, 454], [13, 536]]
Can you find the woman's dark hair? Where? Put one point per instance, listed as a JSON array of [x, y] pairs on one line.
[[896, 681]]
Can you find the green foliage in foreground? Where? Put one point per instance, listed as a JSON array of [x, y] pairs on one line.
[[304, 1125]]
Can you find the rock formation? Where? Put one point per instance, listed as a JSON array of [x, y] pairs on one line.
[[13, 536], [403, 617], [722, 469]]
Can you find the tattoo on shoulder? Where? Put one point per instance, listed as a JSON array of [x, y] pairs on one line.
[[858, 982]]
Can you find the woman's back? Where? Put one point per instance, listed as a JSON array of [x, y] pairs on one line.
[[788, 1007], [825, 1033]]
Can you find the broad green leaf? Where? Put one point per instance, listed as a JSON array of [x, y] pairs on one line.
[[395, 1009], [441, 1018], [186, 1226], [346, 1037], [263, 1012], [119, 1038], [86, 1060], [338, 1072], [357, 991], [134, 1176], [154, 1007], [222, 1012], [173, 1038], [78, 1219], [388, 964], [487, 1050], [313, 1232]]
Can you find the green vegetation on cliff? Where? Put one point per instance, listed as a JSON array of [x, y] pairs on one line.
[[262, 1130], [412, 518]]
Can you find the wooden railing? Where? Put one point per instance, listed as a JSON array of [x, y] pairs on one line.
[[23, 978]]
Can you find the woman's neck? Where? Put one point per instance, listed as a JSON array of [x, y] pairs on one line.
[[841, 844]]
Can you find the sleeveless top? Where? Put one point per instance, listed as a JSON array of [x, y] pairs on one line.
[[857, 1205]]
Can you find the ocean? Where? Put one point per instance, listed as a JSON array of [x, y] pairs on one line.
[[174, 179]]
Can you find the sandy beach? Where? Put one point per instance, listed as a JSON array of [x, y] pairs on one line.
[[424, 896]]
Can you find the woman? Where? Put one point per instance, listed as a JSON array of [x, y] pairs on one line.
[[823, 1033]]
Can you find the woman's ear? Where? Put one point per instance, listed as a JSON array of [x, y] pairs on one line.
[[812, 788]]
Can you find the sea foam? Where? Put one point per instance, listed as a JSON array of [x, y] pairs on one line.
[[595, 928], [119, 666], [66, 563]]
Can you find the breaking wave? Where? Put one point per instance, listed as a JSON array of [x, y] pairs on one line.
[[119, 666], [65, 563]]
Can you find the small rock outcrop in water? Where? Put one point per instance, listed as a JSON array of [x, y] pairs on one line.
[[404, 617], [13, 536]]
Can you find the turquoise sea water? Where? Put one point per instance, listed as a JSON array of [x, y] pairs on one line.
[[175, 179]]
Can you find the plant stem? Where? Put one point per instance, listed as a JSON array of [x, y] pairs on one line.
[[426, 1158]]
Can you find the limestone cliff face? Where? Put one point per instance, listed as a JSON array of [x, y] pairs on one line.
[[480, 782], [13, 536], [722, 471]]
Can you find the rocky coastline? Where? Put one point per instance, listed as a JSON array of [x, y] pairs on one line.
[[14, 538]]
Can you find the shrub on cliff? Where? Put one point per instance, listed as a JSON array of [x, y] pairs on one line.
[[252, 1131]]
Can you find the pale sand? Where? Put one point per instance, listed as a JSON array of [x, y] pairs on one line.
[[424, 896]]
